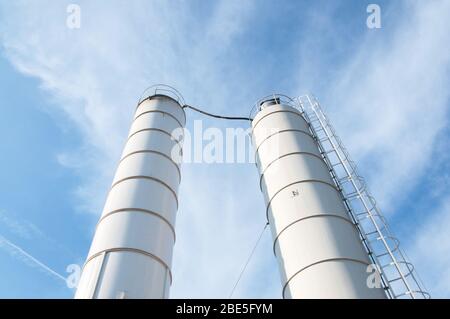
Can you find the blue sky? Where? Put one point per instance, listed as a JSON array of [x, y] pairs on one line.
[[68, 97]]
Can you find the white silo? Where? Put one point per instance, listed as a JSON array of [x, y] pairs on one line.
[[315, 241], [131, 253]]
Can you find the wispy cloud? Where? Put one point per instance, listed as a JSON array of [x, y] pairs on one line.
[[17, 227], [95, 75], [16, 250], [24, 229], [389, 95]]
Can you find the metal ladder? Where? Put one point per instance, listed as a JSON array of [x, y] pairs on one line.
[[397, 275]]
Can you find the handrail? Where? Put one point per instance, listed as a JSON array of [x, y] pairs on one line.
[[362, 207], [280, 99], [162, 89]]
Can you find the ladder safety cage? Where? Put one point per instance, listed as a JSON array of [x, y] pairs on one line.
[[398, 276]]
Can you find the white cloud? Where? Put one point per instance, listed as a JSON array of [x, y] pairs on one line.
[[390, 99], [20, 253], [430, 250], [23, 229], [95, 75]]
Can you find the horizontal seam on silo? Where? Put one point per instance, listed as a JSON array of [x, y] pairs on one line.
[[140, 210], [285, 155], [155, 152], [278, 132], [298, 182], [280, 111], [308, 217], [157, 130], [320, 262], [158, 111], [151, 97], [148, 178], [133, 250]]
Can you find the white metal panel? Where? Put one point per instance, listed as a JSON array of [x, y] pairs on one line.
[[275, 119], [136, 230], [131, 275], [309, 284], [153, 141], [154, 121], [151, 165], [88, 281], [293, 141], [141, 194], [318, 239], [313, 199], [291, 169], [316, 243], [162, 104]]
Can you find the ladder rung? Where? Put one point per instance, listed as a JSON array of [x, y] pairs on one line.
[[372, 232], [336, 164], [395, 279], [329, 151]]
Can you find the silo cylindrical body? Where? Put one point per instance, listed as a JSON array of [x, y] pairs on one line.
[[131, 253], [316, 243]]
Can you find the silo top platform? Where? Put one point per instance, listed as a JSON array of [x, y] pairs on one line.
[[162, 90], [270, 100]]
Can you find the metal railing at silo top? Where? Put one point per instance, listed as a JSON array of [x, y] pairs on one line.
[[162, 89], [398, 276]]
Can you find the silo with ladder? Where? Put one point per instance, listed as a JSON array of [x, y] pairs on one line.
[[315, 241]]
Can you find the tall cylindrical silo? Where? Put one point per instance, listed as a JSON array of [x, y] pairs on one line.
[[131, 253], [316, 243]]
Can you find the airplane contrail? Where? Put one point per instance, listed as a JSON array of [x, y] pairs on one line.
[[31, 258]]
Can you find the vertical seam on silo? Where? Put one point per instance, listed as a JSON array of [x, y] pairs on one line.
[[133, 250]]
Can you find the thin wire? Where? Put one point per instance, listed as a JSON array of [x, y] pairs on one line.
[[239, 118], [248, 260]]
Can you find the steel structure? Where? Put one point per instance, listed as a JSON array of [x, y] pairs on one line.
[[327, 228], [397, 275], [131, 253], [315, 241]]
